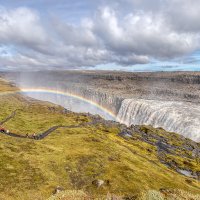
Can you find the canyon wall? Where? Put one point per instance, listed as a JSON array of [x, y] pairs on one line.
[[167, 100]]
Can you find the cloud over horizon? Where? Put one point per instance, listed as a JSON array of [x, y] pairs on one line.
[[121, 32]]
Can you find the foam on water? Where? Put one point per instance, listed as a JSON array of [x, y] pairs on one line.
[[179, 117]]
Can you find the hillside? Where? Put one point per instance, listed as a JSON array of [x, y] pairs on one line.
[[88, 154]]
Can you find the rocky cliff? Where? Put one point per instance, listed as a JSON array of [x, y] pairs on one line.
[[167, 100]]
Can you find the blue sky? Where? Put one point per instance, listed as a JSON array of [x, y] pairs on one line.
[[128, 35]]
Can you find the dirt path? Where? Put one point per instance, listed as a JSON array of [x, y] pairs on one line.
[[42, 135], [9, 117]]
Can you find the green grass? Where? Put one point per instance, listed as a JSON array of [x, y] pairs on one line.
[[73, 158]]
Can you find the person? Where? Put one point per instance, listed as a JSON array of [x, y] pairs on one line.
[[34, 135], [7, 131], [2, 129], [27, 135]]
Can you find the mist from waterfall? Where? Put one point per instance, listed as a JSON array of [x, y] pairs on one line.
[[70, 103], [37, 81], [179, 117]]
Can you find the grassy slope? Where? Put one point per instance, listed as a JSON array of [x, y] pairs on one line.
[[73, 158]]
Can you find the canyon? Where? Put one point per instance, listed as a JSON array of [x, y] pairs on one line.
[[164, 99]]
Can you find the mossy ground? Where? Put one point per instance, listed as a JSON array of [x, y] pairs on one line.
[[73, 158]]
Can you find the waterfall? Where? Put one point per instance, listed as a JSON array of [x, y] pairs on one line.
[[179, 117]]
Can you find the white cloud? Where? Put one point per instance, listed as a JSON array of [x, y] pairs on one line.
[[118, 35], [76, 36], [143, 34], [183, 15], [21, 26]]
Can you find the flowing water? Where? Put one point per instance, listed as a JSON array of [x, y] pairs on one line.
[[179, 117]]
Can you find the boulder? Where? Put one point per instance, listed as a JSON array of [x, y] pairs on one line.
[[98, 183], [58, 189]]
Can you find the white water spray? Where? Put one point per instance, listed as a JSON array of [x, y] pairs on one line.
[[179, 117]]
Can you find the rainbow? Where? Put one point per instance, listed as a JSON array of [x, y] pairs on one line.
[[66, 94]]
